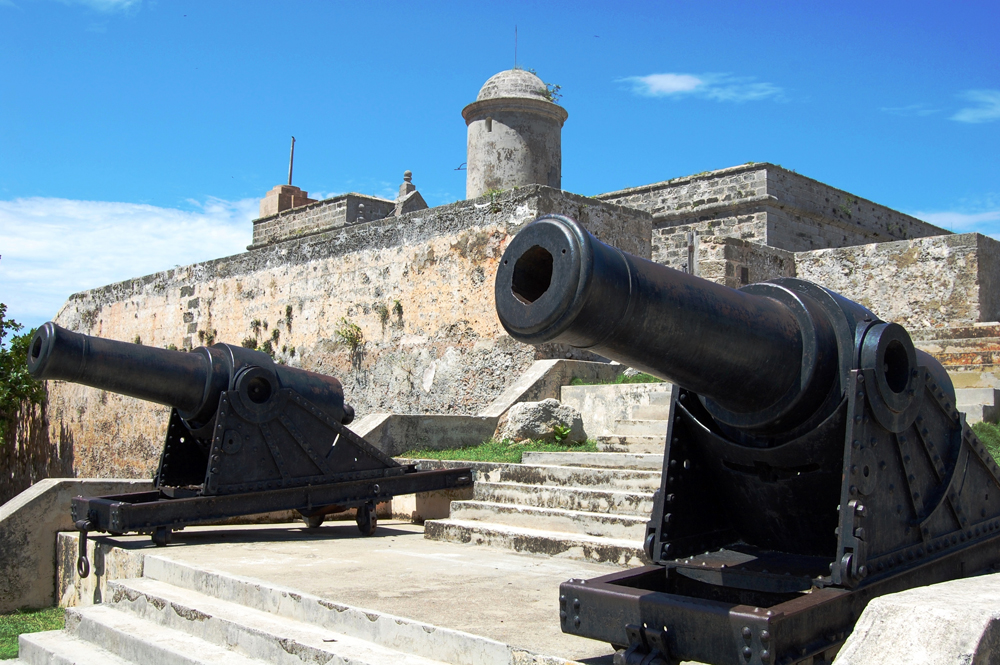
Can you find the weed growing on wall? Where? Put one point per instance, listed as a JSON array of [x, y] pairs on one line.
[[349, 333]]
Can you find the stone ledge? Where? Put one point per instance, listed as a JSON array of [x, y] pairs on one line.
[[951, 622]]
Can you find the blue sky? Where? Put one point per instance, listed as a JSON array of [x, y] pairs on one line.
[[139, 135]]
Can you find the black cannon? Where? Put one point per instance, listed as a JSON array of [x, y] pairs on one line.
[[245, 436], [814, 458]]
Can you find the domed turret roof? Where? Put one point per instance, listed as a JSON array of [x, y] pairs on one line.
[[513, 83]]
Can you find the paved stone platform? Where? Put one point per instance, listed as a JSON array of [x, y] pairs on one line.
[[504, 596]]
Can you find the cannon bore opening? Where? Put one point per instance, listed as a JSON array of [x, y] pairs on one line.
[[36, 349], [259, 390], [532, 275], [896, 367]]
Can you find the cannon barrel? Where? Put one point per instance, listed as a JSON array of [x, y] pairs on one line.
[[191, 381], [757, 358]]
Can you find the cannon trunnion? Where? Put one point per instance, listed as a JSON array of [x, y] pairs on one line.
[[245, 436], [813, 461]]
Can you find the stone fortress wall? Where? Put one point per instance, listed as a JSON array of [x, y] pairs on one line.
[[764, 204], [418, 288]]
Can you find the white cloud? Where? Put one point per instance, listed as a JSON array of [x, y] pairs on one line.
[[988, 108], [919, 110], [987, 223], [717, 87], [51, 248]]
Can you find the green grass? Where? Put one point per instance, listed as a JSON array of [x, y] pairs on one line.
[[989, 434], [620, 379], [28, 621], [505, 451]]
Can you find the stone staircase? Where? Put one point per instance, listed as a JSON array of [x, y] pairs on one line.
[[590, 506], [629, 417], [970, 354], [178, 615]]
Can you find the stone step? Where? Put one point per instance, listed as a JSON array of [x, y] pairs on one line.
[[968, 396], [246, 631], [636, 427], [60, 647], [607, 460], [640, 445], [137, 640], [383, 629], [538, 541], [959, 345], [599, 525], [567, 498], [967, 359], [984, 329], [977, 413], [601, 406], [651, 411], [563, 476]]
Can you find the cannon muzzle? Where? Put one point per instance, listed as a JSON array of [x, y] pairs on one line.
[[191, 381]]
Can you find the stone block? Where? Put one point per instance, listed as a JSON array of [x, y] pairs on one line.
[[283, 197], [952, 622], [538, 420]]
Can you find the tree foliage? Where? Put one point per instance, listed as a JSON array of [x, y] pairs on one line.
[[17, 388]]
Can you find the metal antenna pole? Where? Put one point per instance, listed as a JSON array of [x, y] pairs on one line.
[[291, 160], [515, 47]]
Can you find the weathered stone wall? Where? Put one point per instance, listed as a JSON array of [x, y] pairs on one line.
[[735, 263], [318, 217], [945, 281], [670, 243], [419, 288], [765, 204]]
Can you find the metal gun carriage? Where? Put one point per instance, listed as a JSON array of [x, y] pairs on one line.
[[814, 458], [245, 436]]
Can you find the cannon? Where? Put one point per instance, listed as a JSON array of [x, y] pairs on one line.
[[814, 458], [245, 436]]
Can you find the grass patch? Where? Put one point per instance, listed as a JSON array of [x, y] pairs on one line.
[[27, 621], [641, 377], [989, 434], [505, 451]]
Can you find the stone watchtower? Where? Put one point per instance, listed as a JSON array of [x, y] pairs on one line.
[[515, 135]]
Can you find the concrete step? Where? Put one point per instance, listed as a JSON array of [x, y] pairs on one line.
[[567, 498], [636, 427], [983, 329], [538, 541], [137, 640], [599, 525], [615, 479], [607, 460], [248, 632], [651, 411], [968, 396], [380, 628], [977, 413], [641, 445], [600, 406], [959, 345], [59, 647]]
